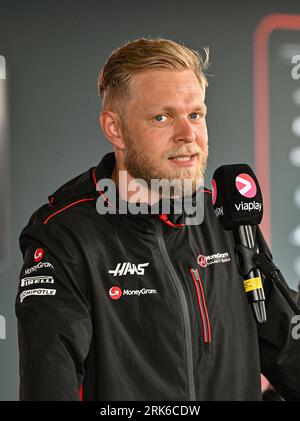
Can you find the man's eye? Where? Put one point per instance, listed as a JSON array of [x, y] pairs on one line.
[[194, 116], [160, 118]]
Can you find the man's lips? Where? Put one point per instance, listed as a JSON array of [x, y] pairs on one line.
[[183, 156], [184, 160]]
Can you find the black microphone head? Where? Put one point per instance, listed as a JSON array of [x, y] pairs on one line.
[[237, 198]]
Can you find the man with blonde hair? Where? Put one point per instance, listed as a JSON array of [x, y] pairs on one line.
[[133, 305]]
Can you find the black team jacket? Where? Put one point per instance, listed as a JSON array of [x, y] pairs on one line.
[[142, 307]]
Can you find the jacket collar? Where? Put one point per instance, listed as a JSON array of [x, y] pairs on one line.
[[87, 185], [172, 218]]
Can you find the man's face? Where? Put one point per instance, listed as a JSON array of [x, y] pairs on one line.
[[165, 131]]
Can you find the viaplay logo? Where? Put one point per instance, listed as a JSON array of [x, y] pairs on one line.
[[245, 185]]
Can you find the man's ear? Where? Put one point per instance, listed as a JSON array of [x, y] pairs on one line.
[[112, 128]]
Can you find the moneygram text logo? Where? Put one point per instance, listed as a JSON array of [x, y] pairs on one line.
[[245, 185], [40, 265], [213, 259], [116, 293]]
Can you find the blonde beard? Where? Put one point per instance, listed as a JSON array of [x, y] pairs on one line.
[[141, 166]]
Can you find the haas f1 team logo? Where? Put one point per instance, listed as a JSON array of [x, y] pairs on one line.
[[38, 255], [115, 293], [128, 268], [245, 185]]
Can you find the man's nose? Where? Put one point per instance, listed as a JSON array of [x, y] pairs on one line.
[[184, 131]]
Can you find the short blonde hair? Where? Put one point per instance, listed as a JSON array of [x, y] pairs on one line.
[[143, 54]]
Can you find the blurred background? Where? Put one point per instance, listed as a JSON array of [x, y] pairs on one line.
[[50, 56]]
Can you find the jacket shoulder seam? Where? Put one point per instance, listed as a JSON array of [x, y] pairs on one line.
[[65, 207]]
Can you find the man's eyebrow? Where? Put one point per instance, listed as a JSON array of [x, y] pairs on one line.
[[170, 108], [202, 107]]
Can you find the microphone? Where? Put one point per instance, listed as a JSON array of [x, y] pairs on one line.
[[238, 204]]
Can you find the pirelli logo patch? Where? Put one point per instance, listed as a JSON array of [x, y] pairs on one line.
[[32, 280]]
